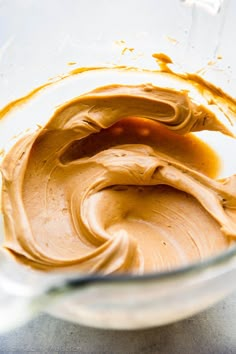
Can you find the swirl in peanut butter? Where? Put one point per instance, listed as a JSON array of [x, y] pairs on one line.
[[72, 199]]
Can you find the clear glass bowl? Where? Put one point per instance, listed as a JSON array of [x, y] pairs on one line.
[[38, 42]]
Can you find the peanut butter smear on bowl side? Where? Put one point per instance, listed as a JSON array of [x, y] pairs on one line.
[[114, 183]]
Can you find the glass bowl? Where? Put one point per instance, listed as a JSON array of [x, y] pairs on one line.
[[117, 48]]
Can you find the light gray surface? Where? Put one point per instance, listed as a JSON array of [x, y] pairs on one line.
[[213, 331]]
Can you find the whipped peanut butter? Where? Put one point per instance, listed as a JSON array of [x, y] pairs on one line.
[[89, 192]]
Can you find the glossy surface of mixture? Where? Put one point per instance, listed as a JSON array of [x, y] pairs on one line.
[[98, 192]]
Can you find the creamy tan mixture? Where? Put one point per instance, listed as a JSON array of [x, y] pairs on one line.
[[96, 191]]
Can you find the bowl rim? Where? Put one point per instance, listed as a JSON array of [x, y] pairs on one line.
[[196, 268]]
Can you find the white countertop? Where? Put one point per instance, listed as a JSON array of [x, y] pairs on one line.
[[211, 332]]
